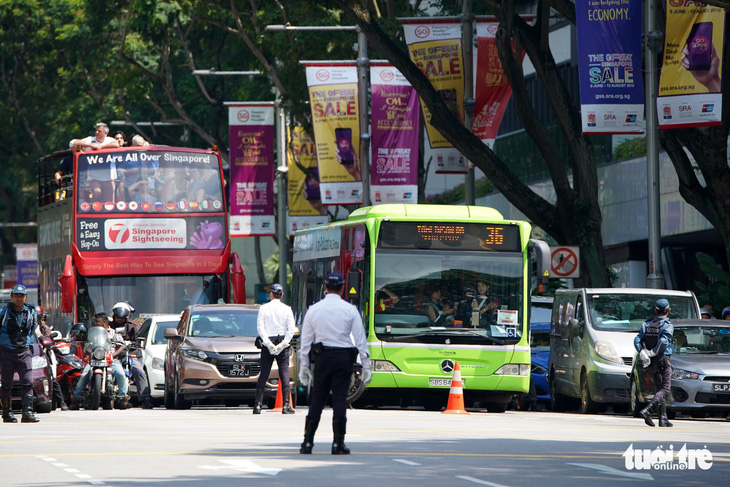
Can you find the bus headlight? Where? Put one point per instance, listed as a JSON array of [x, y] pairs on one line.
[[384, 366], [513, 369]]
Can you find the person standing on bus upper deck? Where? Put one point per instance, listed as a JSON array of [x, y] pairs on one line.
[[275, 327], [100, 140], [329, 329], [18, 322]]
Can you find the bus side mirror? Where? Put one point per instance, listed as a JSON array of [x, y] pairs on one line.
[[67, 281], [238, 279]]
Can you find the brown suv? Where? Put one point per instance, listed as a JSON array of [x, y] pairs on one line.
[[211, 355]]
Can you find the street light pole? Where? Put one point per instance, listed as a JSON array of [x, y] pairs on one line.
[[363, 88], [467, 26], [652, 44]]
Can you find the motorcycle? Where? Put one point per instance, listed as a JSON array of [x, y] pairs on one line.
[[102, 387], [68, 366]]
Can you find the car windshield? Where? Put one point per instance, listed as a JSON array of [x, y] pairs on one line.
[[626, 312], [701, 339], [220, 323], [408, 284]]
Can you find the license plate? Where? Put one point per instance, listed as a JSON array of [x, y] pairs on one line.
[[721, 387], [238, 370], [98, 363], [442, 382]]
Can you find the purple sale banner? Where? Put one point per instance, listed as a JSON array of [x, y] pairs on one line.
[[251, 141], [395, 124], [609, 60]]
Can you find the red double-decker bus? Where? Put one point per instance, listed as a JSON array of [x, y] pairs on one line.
[[141, 224]]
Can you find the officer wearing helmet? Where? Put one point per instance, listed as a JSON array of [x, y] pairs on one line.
[[121, 314], [275, 326], [18, 322], [329, 328], [654, 344]]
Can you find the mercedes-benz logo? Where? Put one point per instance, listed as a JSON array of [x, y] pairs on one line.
[[447, 366]]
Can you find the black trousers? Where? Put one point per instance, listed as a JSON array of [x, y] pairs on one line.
[[16, 361], [661, 372], [332, 372], [267, 360]]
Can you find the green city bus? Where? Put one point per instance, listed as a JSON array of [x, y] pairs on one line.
[[396, 260]]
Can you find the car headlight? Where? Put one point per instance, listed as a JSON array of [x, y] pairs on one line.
[[681, 374], [193, 353], [384, 366], [158, 363], [513, 369], [607, 351]]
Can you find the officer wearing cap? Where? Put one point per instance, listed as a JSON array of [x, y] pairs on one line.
[[275, 325], [329, 328], [654, 344], [18, 322]]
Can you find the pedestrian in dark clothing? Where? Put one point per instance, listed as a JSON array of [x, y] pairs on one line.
[[329, 328], [18, 322], [654, 344]]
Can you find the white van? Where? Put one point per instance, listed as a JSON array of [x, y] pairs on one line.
[[592, 342]]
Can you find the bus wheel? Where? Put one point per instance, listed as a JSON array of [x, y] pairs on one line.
[[496, 407]]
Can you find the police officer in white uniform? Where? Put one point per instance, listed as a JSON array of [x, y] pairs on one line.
[[276, 328], [329, 328]]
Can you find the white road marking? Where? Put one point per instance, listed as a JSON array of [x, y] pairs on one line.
[[242, 465], [614, 471], [77, 473], [477, 481], [406, 462]]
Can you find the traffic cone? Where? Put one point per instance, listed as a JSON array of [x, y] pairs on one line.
[[279, 402], [456, 394]]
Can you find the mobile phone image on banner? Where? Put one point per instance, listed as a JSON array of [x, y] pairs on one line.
[[449, 97], [311, 185], [699, 45], [344, 144]]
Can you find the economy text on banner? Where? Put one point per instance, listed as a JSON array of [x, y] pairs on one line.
[[251, 139], [305, 200], [333, 97], [435, 47], [609, 60], [690, 84], [394, 128]]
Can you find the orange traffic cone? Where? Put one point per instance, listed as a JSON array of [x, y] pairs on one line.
[[279, 402], [456, 394]]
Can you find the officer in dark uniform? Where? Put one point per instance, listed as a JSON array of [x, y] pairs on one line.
[[18, 322], [329, 328], [654, 344]]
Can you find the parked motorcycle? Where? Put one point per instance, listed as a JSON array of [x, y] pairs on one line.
[[102, 387]]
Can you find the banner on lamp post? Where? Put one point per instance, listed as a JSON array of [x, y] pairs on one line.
[[395, 121], [252, 164], [305, 200], [609, 63], [690, 83], [333, 97], [435, 47]]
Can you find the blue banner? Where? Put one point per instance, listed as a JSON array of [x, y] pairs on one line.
[[609, 62]]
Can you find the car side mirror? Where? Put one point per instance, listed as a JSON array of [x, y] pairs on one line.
[[574, 328], [170, 333]]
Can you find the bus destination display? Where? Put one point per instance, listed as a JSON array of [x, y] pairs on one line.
[[437, 236]]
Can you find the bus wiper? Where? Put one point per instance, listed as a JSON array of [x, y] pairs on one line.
[[444, 332]]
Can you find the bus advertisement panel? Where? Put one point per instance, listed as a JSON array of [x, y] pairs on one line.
[[435, 285], [146, 225]]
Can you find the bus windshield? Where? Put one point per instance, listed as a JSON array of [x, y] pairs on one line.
[[148, 294], [436, 293], [149, 182]]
